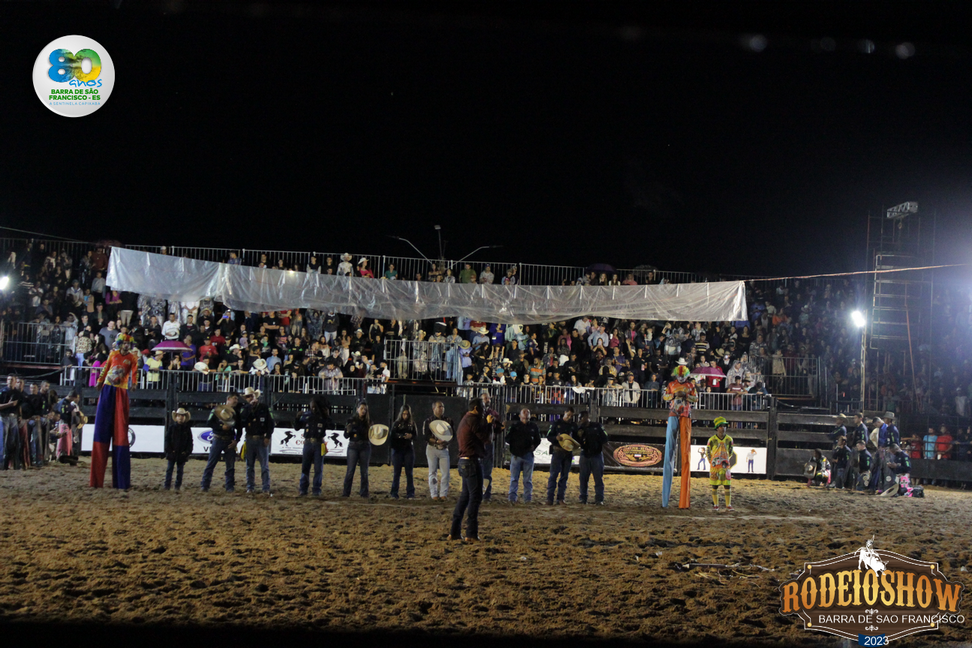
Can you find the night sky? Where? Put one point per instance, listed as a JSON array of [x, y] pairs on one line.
[[567, 133]]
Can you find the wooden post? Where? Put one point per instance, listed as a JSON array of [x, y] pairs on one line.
[[772, 434]]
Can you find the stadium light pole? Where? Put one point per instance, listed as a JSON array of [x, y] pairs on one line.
[[860, 321]]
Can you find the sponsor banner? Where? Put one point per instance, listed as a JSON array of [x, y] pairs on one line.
[[541, 456], [633, 455], [291, 443], [872, 596], [744, 460], [151, 439]]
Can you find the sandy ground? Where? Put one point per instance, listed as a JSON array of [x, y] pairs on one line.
[[202, 560]]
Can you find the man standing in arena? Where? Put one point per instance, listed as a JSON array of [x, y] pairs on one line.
[[523, 438], [592, 438], [437, 453], [560, 459], [495, 427], [474, 431], [258, 422]]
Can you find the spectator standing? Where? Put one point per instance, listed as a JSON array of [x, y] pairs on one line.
[[359, 448], [178, 446], [523, 438], [403, 434], [592, 439], [473, 433]]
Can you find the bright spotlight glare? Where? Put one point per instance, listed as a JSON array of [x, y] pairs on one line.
[[858, 318], [4, 282]]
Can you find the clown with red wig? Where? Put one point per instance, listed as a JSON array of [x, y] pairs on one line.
[[679, 394], [111, 417]]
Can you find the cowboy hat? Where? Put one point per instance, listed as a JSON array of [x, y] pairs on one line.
[[378, 434], [464, 344], [441, 429], [345, 257], [235, 347], [180, 412], [249, 391], [568, 442], [682, 362], [889, 416], [224, 413], [260, 364], [201, 367]]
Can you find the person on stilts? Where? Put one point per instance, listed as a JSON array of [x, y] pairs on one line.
[[679, 394], [111, 417]]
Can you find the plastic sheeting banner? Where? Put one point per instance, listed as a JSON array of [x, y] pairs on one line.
[[265, 289]]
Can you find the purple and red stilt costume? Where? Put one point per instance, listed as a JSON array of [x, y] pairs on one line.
[[111, 421], [111, 431]]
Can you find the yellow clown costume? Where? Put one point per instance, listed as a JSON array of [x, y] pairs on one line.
[[719, 453]]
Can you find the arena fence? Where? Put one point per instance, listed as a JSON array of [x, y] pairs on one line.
[[786, 438]]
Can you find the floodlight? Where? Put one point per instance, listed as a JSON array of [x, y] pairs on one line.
[[858, 318], [4, 282]]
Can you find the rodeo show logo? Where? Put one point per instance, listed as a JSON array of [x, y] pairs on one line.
[[73, 76], [872, 596]]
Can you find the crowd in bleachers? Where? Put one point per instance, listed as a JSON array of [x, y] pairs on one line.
[[796, 330]]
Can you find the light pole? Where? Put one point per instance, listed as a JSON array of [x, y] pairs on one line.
[[860, 321]]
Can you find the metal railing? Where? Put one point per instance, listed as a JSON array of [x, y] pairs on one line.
[[407, 267], [415, 360], [194, 381]]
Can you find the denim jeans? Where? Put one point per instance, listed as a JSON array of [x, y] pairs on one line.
[[438, 461], [178, 465], [256, 449], [522, 465], [400, 459], [559, 467], [592, 466], [220, 446], [471, 471], [488, 472], [312, 455], [359, 453], [3, 448], [12, 448], [37, 434]]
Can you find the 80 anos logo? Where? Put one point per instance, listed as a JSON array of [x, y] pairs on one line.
[[73, 76]]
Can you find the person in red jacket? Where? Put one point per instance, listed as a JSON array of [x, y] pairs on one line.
[[474, 431]]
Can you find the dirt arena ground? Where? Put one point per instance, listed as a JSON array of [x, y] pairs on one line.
[[151, 558]]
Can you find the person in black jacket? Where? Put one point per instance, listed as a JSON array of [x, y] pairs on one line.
[[841, 461], [315, 422], [257, 420], [403, 433], [523, 438], [592, 438], [900, 463], [178, 446], [359, 448], [560, 459]]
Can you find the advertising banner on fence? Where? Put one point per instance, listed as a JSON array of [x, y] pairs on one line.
[[151, 439], [745, 460]]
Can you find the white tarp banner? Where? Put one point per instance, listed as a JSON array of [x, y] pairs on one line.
[[265, 289]]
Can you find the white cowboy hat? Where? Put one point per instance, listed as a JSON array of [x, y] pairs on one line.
[[441, 429], [378, 434], [201, 367], [260, 364], [180, 412], [362, 260], [345, 257], [464, 344], [568, 443], [235, 347], [681, 361], [224, 413], [249, 391]]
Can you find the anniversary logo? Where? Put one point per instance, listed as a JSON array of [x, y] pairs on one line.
[[872, 596]]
